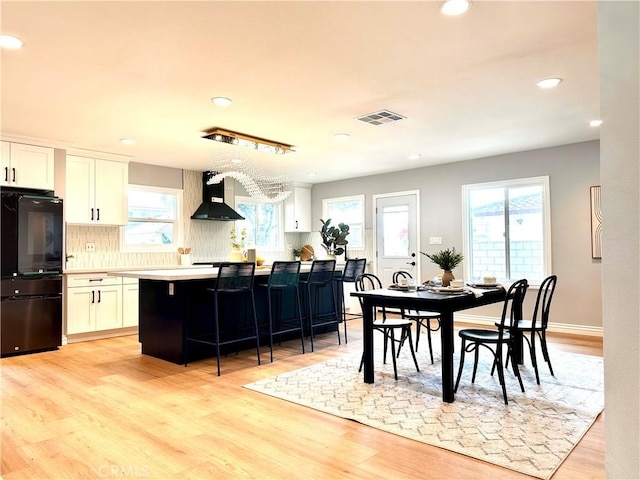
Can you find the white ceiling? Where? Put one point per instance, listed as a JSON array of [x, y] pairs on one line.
[[91, 73]]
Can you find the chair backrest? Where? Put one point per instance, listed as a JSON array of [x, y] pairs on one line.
[[353, 269], [284, 274], [368, 281], [400, 274], [543, 301], [513, 303], [322, 272], [235, 276]]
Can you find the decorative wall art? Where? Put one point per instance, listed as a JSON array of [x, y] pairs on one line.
[[596, 222]]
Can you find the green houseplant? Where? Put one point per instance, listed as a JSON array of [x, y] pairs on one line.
[[447, 260], [334, 238], [296, 253]]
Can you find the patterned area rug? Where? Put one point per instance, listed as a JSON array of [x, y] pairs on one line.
[[531, 435]]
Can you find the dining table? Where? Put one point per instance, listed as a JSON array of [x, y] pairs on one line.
[[443, 302]]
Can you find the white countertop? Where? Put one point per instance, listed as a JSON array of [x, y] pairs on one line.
[[177, 274]]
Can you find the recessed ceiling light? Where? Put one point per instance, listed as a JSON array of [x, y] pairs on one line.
[[221, 101], [11, 42], [415, 156], [127, 141], [455, 7], [595, 123], [549, 82], [341, 136]]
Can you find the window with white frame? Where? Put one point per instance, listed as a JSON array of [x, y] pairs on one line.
[[263, 222], [154, 220], [350, 211], [507, 230]]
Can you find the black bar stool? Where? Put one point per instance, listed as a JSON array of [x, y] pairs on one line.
[[319, 284], [282, 288], [353, 268], [234, 286]]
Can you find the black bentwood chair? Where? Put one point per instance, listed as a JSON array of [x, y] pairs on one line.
[[283, 293], [232, 294], [537, 326], [320, 287], [422, 318], [353, 268], [387, 326], [473, 339]]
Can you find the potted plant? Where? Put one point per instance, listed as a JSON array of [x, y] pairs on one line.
[[237, 244], [296, 253], [447, 260], [334, 238]]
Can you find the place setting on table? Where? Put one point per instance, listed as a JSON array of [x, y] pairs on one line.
[[455, 287]]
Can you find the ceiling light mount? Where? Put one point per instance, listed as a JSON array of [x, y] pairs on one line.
[[248, 141], [549, 82], [455, 7]]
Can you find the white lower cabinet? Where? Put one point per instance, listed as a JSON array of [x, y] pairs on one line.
[[94, 303], [130, 302]]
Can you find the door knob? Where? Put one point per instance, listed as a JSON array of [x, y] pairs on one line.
[[413, 264]]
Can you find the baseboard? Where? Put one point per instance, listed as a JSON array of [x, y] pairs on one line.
[[564, 328], [84, 337]]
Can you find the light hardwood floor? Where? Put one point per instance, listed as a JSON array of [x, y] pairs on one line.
[[100, 409]]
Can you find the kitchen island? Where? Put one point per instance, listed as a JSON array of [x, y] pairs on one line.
[[172, 300]]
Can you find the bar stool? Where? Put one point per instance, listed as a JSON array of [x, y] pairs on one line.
[[234, 286], [352, 270], [388, 327], [422, 318], [282, 288], [319, 285]]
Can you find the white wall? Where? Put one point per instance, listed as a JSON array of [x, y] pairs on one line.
[[572, 170], [619, 53]]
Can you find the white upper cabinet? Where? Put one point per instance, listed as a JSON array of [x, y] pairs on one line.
[[28, 166], [96, 191], [297, 210]]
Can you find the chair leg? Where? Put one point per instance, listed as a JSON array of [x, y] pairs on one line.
[[216, 320], [429, 339], [310, 310], [498, 362], [413, 353], [299, 307], [545, 352], [516, 372], [462, 352], [534, 358], [269, 310], [393, 352], [476, 356], [255, 323]]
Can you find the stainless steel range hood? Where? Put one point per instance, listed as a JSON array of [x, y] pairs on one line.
[[213, 206]]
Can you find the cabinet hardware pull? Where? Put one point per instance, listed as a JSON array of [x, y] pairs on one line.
[[99, 296], [14, 174], [411, 263], [92, 214], [93, 296], [98, 219], [96, 279], [6, 174]]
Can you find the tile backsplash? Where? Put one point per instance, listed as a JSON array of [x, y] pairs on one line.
[[209, 240]]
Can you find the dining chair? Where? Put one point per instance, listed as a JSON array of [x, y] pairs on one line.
[[473, 339], [537, 326], [319, 286], [283, 301], [388, 326], [233, 295], [422, 318], [353, 268]]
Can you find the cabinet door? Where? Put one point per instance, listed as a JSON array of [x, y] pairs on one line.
[[297, 210], [130, 304], [111, 179], [5, 163], [80, 310], [80, 190], [109, 307], [32, 166]]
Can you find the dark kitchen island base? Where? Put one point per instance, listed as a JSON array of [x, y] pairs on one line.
[[167, 308]]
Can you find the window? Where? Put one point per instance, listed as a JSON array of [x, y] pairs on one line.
[[506, 230], [154, 220], [263, 222], [350, 211]]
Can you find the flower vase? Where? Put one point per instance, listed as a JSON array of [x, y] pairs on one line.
[[447, 276], [236, 255]]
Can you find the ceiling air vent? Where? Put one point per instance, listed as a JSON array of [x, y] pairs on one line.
[[380, 118]]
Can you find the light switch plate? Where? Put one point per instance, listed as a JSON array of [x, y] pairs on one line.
[[90, 247], [435, 240]]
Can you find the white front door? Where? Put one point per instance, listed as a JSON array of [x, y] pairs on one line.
[[397, 231]]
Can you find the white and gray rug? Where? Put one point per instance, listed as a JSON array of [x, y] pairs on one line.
[[531, 435]]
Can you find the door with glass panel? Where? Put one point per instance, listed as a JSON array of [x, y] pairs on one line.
[[397, 235]]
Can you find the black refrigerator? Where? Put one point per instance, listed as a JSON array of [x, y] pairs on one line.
[[31, 284]]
